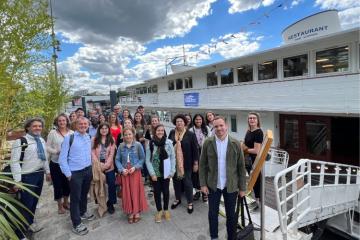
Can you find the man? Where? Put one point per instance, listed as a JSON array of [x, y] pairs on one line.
[[31, 151], [80, 112], [222, 172], [147, 117], [117, 111], [92, 113], [75, 163], [94, 123]]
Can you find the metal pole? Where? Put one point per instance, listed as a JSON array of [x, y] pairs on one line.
[[54, 56], [262, 200]]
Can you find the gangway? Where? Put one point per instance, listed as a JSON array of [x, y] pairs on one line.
[[311, 191], [278, 161]]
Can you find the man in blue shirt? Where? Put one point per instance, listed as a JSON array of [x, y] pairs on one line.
[[75, 163]]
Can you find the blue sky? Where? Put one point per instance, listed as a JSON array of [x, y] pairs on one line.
[[125, 42]]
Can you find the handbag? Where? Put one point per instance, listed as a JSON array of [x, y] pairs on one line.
[[243, 232]]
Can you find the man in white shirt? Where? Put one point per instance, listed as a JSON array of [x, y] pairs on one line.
[[222, 172]]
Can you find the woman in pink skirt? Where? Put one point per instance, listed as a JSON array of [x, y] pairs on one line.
[[130, 158]]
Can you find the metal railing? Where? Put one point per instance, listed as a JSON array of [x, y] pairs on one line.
[[278, 161], [311, 191]]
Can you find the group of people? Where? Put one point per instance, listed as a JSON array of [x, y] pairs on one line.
[[82, 154]]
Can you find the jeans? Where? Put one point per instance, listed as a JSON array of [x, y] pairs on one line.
[[187, 185], [36, 180], [230, 204], [161, 186], [79, 188], [110, 181]]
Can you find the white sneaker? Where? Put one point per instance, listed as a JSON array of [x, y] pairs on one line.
[[80, 229], [87, 216], [35, 228]]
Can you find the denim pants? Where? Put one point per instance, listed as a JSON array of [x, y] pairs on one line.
[[110, 181], [79, 188], [230, 204]]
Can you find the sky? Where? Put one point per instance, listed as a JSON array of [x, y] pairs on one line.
[[116, 43]]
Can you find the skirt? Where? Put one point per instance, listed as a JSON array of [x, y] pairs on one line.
[[133, 193]]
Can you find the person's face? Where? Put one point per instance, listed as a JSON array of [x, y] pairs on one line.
[[80, 113], [253, 120], [154, 122], [92, 114], [126, 114], [94, 120], [128, 136], [113, 118], [160, 132], [141, 110], [180, 124], [82, 126], [117, 110], [210, 117], [128, 124], [72, 117], [188, 119], [104, 130], [138, 117], [61, 122], [35, 128], [220, 128], [198, 121], [102, 118]]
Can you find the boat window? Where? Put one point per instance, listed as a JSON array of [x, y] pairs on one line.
[[233, 123], [227, 76], [295, 66], [154, 88], [188, 82], [149, 90], [211, 79], [245, 73], [171, 85], [137, 90], [179, 83], [332, 60], [267, 70]]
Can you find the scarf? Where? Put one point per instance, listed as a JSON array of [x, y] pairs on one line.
[[179, 154], [40, 148], [160, 143]]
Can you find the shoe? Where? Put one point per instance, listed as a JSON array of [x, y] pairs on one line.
[[66, 206], [175, 204], [80, 229], [158, 216], [196, 196], [190, 208], [151, 193], [254, 207], [34, 228], [137, 218], [87, 216], [130, 219], [204, 197], [167, 215], [111, 208]]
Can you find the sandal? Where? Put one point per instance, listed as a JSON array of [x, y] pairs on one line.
[[204, 197], [66, 206], [190, 208], [175, 204], [61, 211], [137, 218], [130, 219]]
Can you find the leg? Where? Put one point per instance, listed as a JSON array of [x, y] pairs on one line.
[[214, 202], [56, 177], [230, 204], [87, 177], [75, 195], [110, 180], [177, 187], [188, 186], [257, 188], [157, 193], [165, 191]]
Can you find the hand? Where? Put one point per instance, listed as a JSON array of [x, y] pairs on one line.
[[48, 177], [132, 170], [242, 193], [153, 178], [205, 190], [16, 188], [125, 172], [195, 167]]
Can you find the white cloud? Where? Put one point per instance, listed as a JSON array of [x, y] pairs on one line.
[[296, 2], [350, 17], [336, 4], [245, 5]]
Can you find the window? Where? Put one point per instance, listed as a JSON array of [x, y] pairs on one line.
[[154, 89], [233, 123], [227, 76], [245, 73], [171, 85], [144, 90], [137, 90], [188, 82], [179, 83], [295, 66], [291, 134], [211, 79], [332, 60], [267, 70], [149, 89]]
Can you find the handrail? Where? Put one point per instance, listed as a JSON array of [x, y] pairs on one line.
[[295, 185]]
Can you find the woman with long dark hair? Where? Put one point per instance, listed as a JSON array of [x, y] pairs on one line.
[[115, 126], [103, 149], [127, 115], [201, 132], [160, 152], [128, 123]]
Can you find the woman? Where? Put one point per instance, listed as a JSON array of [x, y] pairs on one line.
[[139, 124], [130, 158], [73, 118], [209, 121], [187, 156], [53, 147], [150, 132], [102, 118], [103, 149], [160, 162], [127, 124], [201, 132], [252, 145], [126, 115], [115, 127], [189, 120]]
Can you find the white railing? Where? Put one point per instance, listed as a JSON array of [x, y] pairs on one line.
[[311, 191], [278, 161]]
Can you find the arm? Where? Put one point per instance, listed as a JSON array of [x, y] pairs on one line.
[[147, 161], [46, 162], [141, 156], [241, 170], [203, 166], [172, 159], [14, 161], [50, 143], [118, 160], [63, 157]]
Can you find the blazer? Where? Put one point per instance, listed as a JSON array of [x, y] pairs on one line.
[[109, 160], [235, 165]]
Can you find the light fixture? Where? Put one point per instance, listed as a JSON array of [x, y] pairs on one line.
[[267, 63], [322, 60], [240, 68], [327, 65]]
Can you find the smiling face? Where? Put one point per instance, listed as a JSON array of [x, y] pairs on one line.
[[138, 117], [102, 119], [220, 128], [180, 124], [72, 117], [253, 121], [128, 123], [128, 136], [126, 113], [112, 118], [104, 130], [210, 117], [82, 125], [198, 121], [154, 122], [35, 128], [160, 132], [62, 122]]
